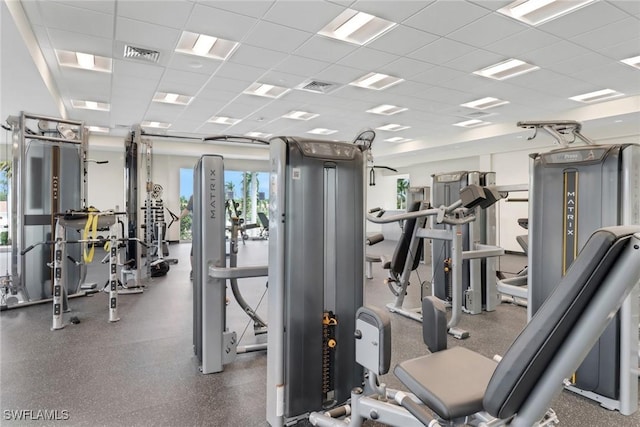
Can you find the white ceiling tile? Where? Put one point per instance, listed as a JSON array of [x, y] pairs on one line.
[[486, 30], [367, 59], [276, 37], [250, 55], [586, 19], [406, 88], [587, 61], [626, 49], [194, 64], [310, 15], [42, 36], [243, 106], [523, 42], [445, 95], [492, 4], [223, 85], [240, 72], [56, 15], [171, 14], [610, 35], [253, 8], [437, 75], [441, 51], [283, 79], [147, 35], [221, 96], [219, 23], [184, 77], [444, 17], [123, 68], [549, 55], [32, 10], [631, 7], [402, 40], [473, 61], [616, 76], [325, 49], [66, 40], [405, 67], [103, 6], [394, 11], [164, 112], [85, 85], [340, 74], [301, 66], [203, 109], [476, 86]]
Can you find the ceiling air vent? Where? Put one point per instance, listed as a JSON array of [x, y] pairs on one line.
[[140, 53], [316, 86]]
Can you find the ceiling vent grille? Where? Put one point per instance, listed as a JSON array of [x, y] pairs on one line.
[[316, 86], [148, 55], [478, 114]]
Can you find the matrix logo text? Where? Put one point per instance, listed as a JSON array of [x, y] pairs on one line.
[[35, 415]]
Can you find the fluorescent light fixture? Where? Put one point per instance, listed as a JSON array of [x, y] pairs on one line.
[[484, 103], [599, 95], [398, 139], [471, 123], [387, 110], [376, 81], [300, 115], [633, 62], [392, 127], [172, 98], [221, 120], [266, 90], [157, 125], [506, 69], [90, 105], [100, 129], [356, 27], [205, 45], [85, 61], [322, 131], [258, 135], [536, 12]]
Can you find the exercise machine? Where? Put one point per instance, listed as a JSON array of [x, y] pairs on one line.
[[448, 225], [575, 190], [315, 279], [215, 345], [457, 386], [478, 274], [48, 175]]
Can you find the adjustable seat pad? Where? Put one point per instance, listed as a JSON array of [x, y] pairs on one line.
[[451, 382], [402, 248]]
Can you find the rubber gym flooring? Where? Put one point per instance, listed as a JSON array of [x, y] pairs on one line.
[[141, 371]]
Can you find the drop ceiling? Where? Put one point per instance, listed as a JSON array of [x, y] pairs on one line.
[[435, 48]]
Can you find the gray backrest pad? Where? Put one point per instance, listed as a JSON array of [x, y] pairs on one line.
[[533, 350]]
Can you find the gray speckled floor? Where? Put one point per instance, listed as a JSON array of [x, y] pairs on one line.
[[141, 371]]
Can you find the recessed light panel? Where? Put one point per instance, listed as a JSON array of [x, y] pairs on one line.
[[258, 135], [99, 129], [356, 27], [266, 90], [300, 115], [205, 46], [322, 131], [393, 127], [398, 139], [471, 123], [506, 69], [633, 62], [172, 98], [85, 61], [536, 12], [156, 125], [221, 120], [599, 95], [90, 105], [376, 81], [484, 103], [387, 110]]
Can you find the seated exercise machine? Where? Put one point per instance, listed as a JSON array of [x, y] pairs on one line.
[[407, 254], [457, 386]]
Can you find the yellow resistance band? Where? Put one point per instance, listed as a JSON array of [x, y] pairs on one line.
[[92, 224]]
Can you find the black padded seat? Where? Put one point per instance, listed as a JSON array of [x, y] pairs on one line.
[[396, 265], [451, 382], [523, 241]]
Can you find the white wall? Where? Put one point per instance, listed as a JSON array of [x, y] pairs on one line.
[[106, 182], [382, 195]]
